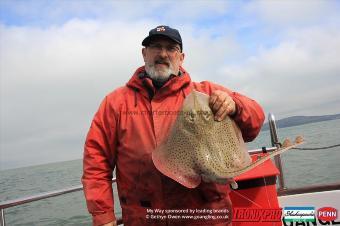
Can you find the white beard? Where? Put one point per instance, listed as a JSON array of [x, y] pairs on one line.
[[160, 75]]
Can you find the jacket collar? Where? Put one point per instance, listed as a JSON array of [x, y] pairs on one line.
[[142, 84]]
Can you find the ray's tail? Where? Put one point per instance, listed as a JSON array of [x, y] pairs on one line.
[[289, 145]]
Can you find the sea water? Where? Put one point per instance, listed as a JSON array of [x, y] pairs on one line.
[[301, 168]]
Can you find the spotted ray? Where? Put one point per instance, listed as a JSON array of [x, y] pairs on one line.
[[200, 147]]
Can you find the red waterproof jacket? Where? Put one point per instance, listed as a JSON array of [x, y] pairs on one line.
[[129, 124]]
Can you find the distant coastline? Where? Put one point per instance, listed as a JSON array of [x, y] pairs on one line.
[[300, 120]]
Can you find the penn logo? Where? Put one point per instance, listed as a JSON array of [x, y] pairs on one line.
[[160, 29], [327, 214]]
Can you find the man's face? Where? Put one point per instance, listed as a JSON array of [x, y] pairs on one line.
[[162, 58]]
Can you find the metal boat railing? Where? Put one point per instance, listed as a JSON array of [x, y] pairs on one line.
[[275, 143], [16, 202], [309, 189], [282, 190]]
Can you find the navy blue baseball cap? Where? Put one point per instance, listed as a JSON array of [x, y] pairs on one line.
[[164, 31]]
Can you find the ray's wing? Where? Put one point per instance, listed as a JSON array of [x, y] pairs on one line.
[[175, 157]]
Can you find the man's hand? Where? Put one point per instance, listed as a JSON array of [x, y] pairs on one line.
[[113, 223], [221, 104]]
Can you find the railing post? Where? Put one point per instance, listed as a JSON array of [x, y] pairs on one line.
[[275, 142], [2, 217]]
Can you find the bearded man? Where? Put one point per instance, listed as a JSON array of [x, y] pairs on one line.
[[129, 125]]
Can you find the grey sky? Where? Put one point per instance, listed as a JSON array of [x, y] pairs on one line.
[[54, 74]]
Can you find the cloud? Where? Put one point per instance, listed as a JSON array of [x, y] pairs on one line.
[[292, 13], [58, 12], [58, 61], [297, 76], [53, 79]]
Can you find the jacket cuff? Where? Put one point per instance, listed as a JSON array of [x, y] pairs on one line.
[[238, 107], [104, 218]]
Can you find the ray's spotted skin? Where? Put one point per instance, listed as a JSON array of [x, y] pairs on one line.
[[201, 148]]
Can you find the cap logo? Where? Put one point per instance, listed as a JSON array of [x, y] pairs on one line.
[[160, 29]]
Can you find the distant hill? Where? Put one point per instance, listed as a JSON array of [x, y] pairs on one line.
[[300, 120]]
